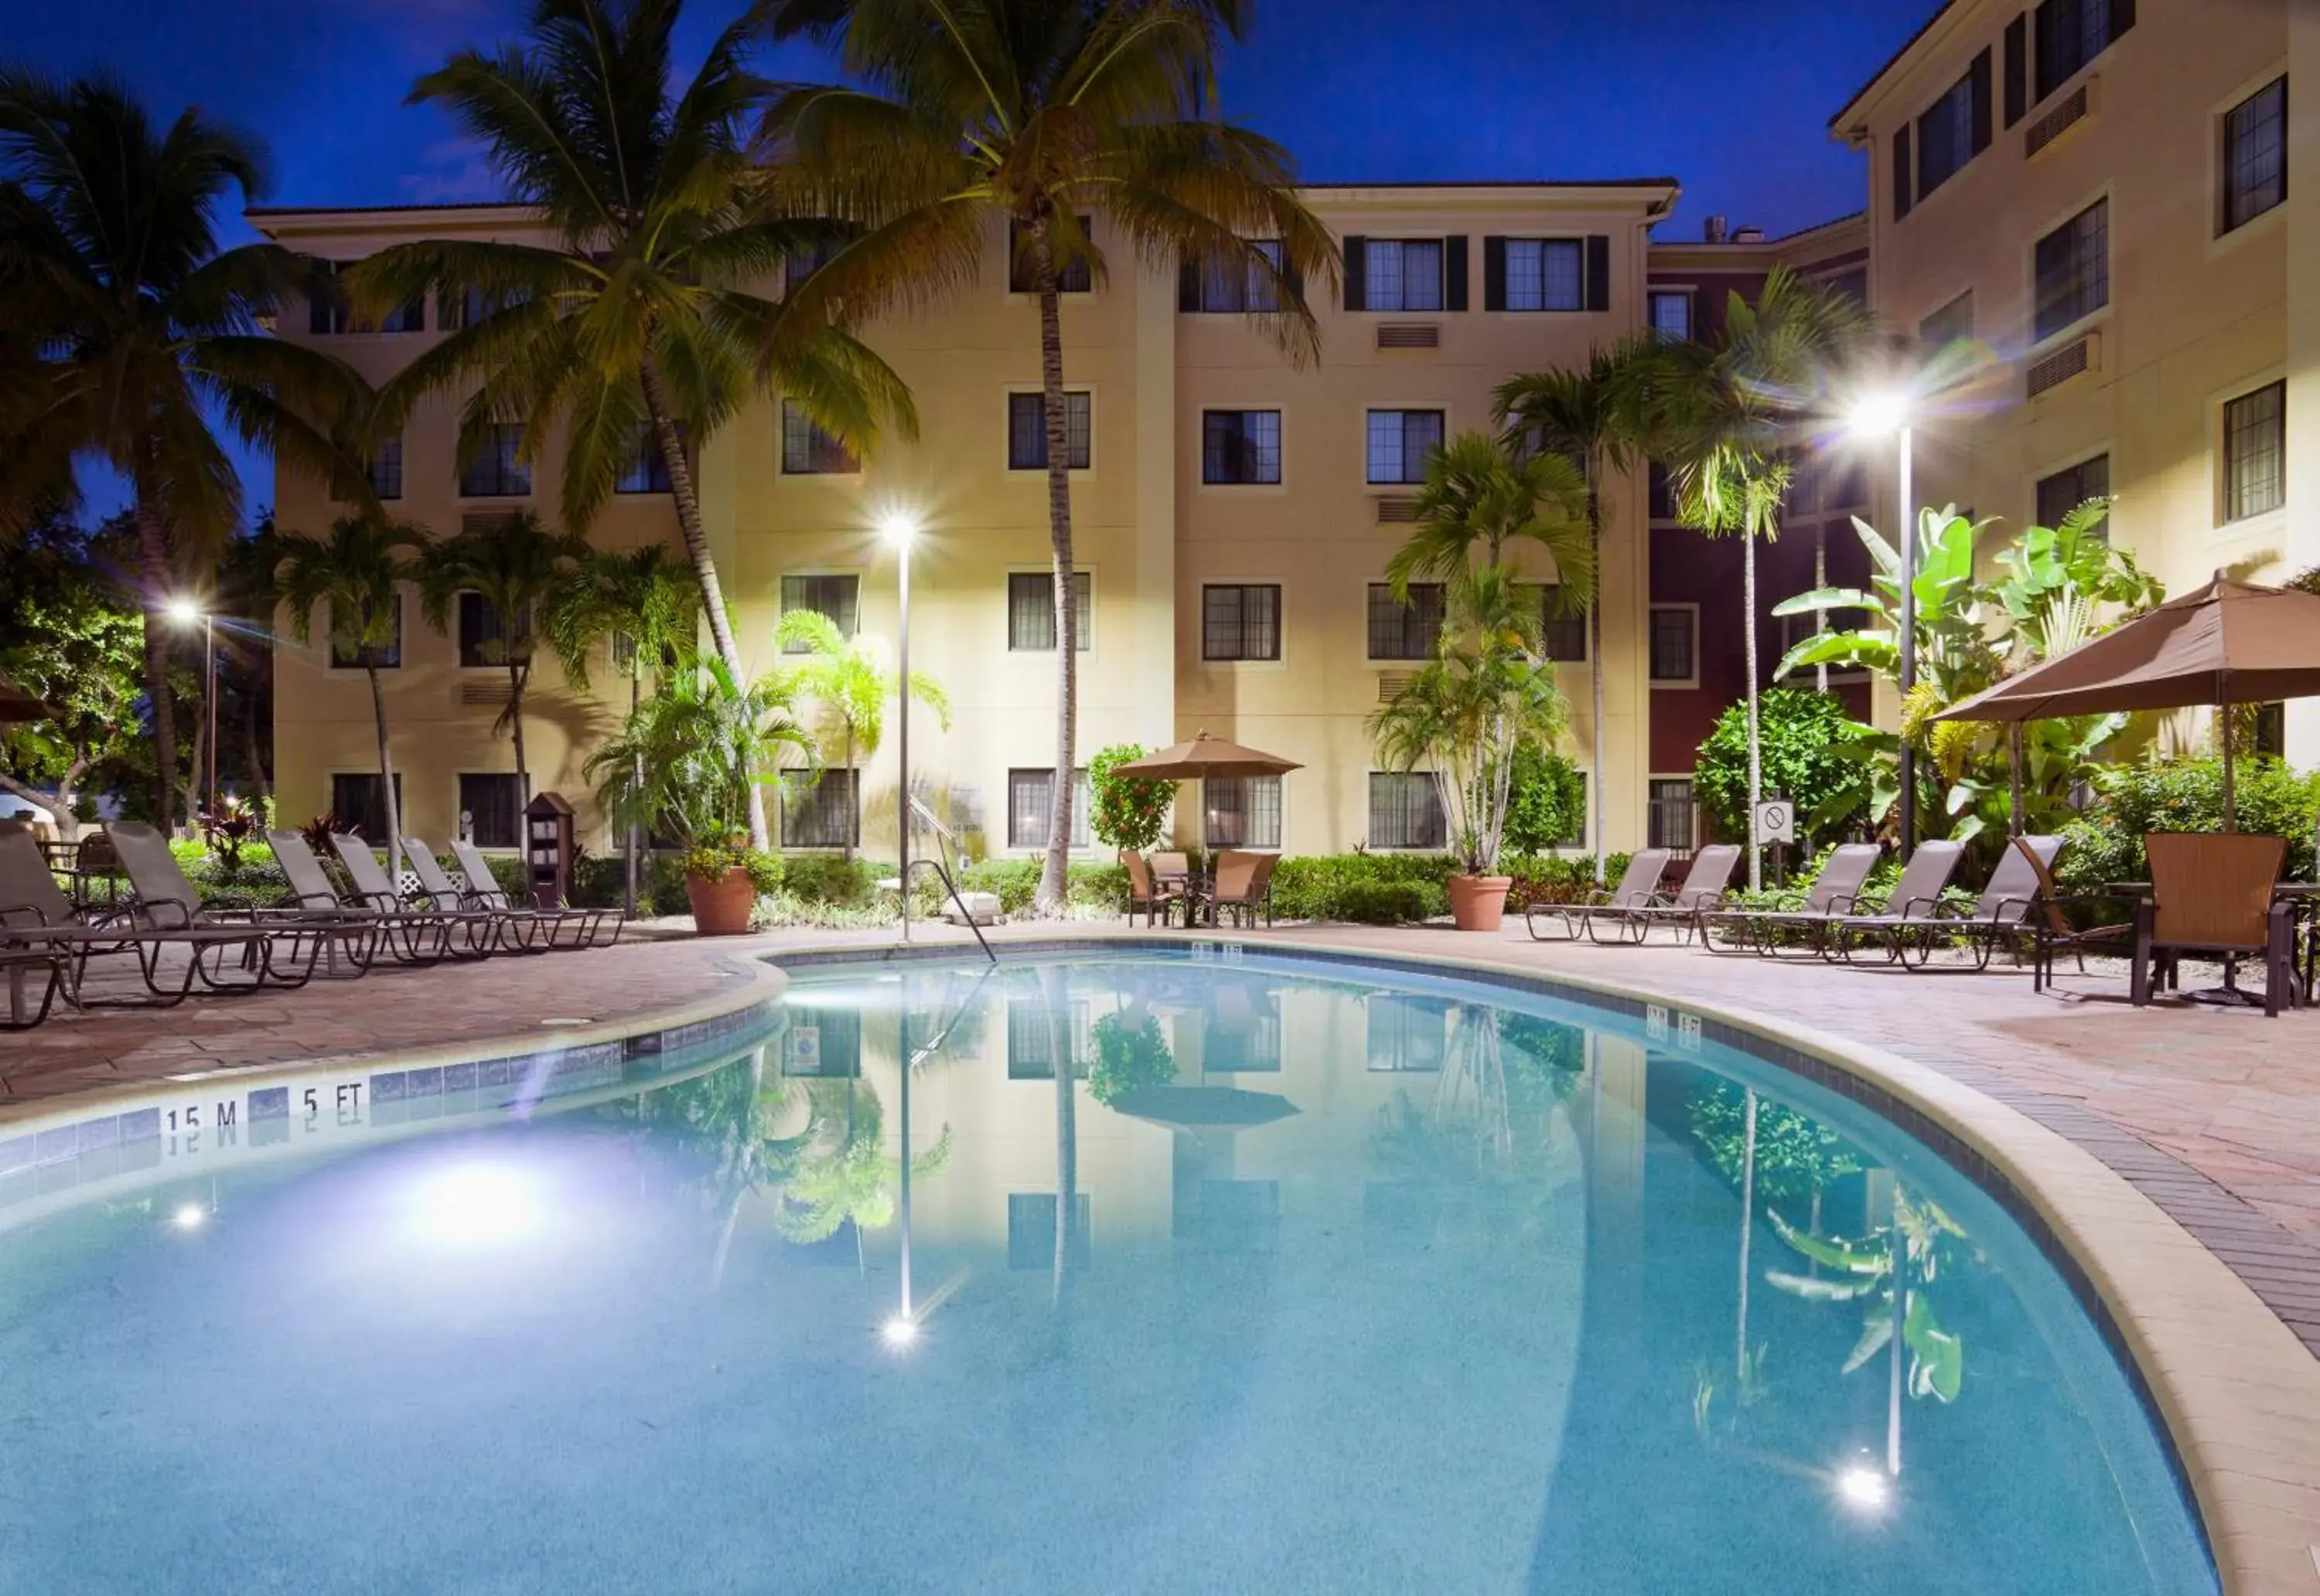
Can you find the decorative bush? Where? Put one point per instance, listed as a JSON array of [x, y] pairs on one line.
[[1548, 878], [2106, 842], [1095, 888], [1383, 904], [1547, 805], [1127, 811], [1800, 734], [1315, 887], [1129, 1054]]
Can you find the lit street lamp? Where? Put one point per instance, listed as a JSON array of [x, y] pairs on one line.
[[1882, 416], [899, 529], [184, 612]]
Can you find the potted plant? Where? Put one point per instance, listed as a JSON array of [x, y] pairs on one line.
[[684, 765]]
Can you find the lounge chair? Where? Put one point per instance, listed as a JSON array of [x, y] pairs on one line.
[[562, 926], [1639, 885], [1703, 893], [1916, 898], [420, 936], [1157, 902], [2002, 916], [1243, 884], [278, 948], [1834, 893], [406, 935], [2212, 892]]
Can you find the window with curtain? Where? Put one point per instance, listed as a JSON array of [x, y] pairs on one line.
[[1406, 810], [1954, 130], [809, 451], [385, 470], [1075, 277], [1672, 818], [1405, 632], [1240, 620], [647, 472], [1671, 313], [359, 802], [1031, 611], [1401, 274], [2071, 33], [491, 809], [484, 633], [497, 472], [840, 597], [1027, 430], [1565, 630], [389, 657], [2073, 270], [1234, 284], [1947, 325], [2067, 489], [1031, 807], [1546, 275], [2255, 452], [1241, 811], [1240, 447], [1675, 633], [2255, 155], [1400, 442], [823, 812]]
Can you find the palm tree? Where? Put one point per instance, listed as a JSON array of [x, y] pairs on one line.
[[850, 678], [1576, 413], [630, 330], [144, 330], [1722, 414], [1479, 498], [644, 596], [359, 572], [690, 756], [1036, 114], [513, 564]]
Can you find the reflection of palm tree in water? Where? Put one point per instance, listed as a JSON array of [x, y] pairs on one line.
[[839, 1171]]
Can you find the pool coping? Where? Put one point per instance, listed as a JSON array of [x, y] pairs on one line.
[[2236, 1393]]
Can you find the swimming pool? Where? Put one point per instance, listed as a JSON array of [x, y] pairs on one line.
[[1277, 1275]]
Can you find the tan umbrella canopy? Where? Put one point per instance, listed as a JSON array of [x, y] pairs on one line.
[[2230, 643], [16, 705], [1205, 755]]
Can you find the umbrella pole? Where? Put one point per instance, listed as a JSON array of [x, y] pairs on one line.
[[2014, 753], [2230, 797]]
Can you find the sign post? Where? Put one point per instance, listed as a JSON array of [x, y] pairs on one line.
[[1776, 826]]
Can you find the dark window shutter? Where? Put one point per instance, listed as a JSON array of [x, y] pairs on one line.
[[1356, 294], [1188, 284], [1900, 173], [1453, 272], [2122, 17], [1980, 91], [2017, 69], [1494, 273], [1599, 271]]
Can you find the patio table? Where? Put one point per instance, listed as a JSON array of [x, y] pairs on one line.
[[1196, 886]]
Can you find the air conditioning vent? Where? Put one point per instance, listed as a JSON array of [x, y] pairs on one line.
[[2075, 359], [484, 695], [1396, 510], [2067, 113], [1391, 685], [488, 521], [1409, 335]]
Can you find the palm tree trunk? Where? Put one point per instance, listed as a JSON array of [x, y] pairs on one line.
[[636, 832], [1755, 752], [386, 778], [1054, 872], [705, 566], [846, 853], [1598, 811], [518, 680], [153, 569]]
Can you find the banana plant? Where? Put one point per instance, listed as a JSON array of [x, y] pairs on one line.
[[2058, 582], [1863, 1271], [1954, 648]]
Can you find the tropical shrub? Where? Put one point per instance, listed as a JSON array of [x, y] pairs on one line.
[[2105, 842], [1127, 811], [1547, 802], [1129, 1055], [1803, 736], [1383, 904], [1317, 886]]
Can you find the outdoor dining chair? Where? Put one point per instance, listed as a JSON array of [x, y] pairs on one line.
[[1243, 884], [1834, 893], [1159, 902], [2212, 892], [1639, 884]]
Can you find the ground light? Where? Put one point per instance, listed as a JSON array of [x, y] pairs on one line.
[[899, 1331], [1885, 413]]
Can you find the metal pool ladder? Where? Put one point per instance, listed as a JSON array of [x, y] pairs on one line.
[[941, 866]]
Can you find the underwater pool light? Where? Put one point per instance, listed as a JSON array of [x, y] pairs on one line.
[[476, 1205], [899, 1331], [189, 1216], [1864, 1488]]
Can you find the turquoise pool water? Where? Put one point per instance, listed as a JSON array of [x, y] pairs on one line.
[[1267, 1277]]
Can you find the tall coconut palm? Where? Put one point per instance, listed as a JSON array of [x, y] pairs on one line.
[[644, 596], [514, 565], [1724, 416], [358, 573], [1576, 413], [633, 330], [850, 679], [1036, 115], [144, 330]]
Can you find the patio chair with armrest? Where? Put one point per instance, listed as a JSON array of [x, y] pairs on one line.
[[1702, 890], [420, 935], [2211, 892], [1834, 893], [278, 948], [1639, 885], [1243, 885], [1916, 899], [2004, 915], [2052, 930], [563, 927], [509, 929], [1159, 902]]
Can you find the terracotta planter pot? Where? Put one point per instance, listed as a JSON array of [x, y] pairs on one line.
[[1479, 902], [722, 908]]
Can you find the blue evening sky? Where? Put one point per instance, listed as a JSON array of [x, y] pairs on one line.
[[1732, 97]]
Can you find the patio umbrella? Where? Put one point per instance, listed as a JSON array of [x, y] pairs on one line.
[[1203, 1108], [16, 705], [1204, 757], [2231, 642]]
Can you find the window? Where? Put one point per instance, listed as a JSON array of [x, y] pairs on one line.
[[2072, 32], [1075, 278], [1401, 274], [1031, 807], [1031, 1228], [359, 804], [1027, 430], [647, 472], [2255, 155], [484, 637], [2255, 464], [2073, 270], [1240, 620], [326, 305], [1674, 637], [491, 810], [496, 472], [809, 451], [1955, 128], [1947, 325], [1031, 611], [473, 305], [1031, 1039], [802, 264], [1544, 275], [1401, 442], [387, 657], [1229, 283], [1564, 627], [2066, 491], [837, 597], [1671, 313], [1406, 810], [386, 469], [823, 812], [1673, 821], [1240, 812], [1240, 447], [2271, 731], [1851, 284], [1663, 501], [406, 318], [1405, 632]]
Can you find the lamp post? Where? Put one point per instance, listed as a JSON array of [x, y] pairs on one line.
[[1882, 416], [184, 612], [899, 530]]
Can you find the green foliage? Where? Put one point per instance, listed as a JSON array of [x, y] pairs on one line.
[[828, 878], [1479, 497], [1346, 886], [1804, 737], [686, 759], [1796, 1156], [75, 642], [1861, 1271], [849, 681], [713, 861], [2105, 843], [1383, 904], [1550, 878], [1547, 802], [1094, 889], [1130, 1053], [1127, 811]]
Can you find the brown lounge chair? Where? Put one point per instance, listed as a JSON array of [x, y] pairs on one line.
[[1639, 885], [1703, 893], [1915, 897], [2001, 915], [1157, 902], [2051, 928], [2212, 892], [1243, 884], [563, 927], [278, 947], [1834, 893], [420, 936]]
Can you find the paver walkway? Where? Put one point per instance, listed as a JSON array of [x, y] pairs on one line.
[[2216, 1115]]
